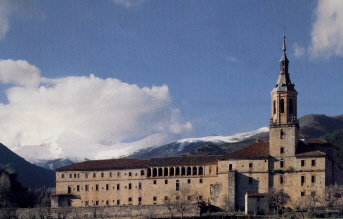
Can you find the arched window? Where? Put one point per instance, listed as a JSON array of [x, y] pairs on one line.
[[160, 172], [166, 171], [290, 108], [149, 172], [171, 171], [201, 170], [177, 172], [274, 107], [183, 171], [282, 106], [195, 170], [189, 171]]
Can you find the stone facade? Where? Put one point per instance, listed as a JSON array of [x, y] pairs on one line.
[[288, 162]]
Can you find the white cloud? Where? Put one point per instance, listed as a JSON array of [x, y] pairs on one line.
[[19, 72], [327, 31], [298, 50], [232, 59], [107, 110], [129, 3]]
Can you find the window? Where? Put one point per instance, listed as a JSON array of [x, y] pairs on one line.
[[86, 188], [78, 188], [189, 181], [86, 175], [166, 198], [160, 172], [139, 185], [62, 176], [230, 167], [177, 197], [200, 180], [154, 199], [313, 163], [313, 179], [107, 202], [70, 175], [281, 180], [96, 187], [107, 187], [94, 175], [290, 109], [86, 203], [149, 172], [282, 164], [166, 171], [110, 174], [130, 199], [139, 200], [129, 185], [96, 202], [195, 170], [302, 163], [250, 165], [177, 185], [281, 134], [172, 171], [282, 106], [183, 171], [155, 182], [74, 175], [69, 189], [201, 170], [118, 202], [166, 181], [118, 186], [282, 150], [302, 180], [142, 172], [130, 174], [250, 180], [274, 107], [302, 194], [118, 174], [154, 172], [177, 171], [102, 174]]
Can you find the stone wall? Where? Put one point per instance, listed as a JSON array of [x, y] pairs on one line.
[[148, 211]]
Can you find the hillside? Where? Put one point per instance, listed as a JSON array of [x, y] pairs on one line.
[[29, 175], [316, 125]]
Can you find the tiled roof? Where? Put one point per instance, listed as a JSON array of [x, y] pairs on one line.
[[317, 142], [310, 150], [184, 160], [113, 164], [259, 150]]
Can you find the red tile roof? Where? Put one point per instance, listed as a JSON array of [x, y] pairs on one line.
[[259, 150], [113, 164], [184, 160]]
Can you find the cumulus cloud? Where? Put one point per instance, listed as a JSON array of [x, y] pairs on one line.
[[19, 72], [105, 110], [327, 30], [129, 3]]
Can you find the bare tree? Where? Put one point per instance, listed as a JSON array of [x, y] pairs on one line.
[[277, 200]]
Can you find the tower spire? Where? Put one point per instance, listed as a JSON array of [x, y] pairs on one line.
[[284, 44]]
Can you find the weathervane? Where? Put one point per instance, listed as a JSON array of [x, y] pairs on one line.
[[284, 30]]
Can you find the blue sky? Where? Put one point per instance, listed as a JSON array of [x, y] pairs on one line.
[[121, 70]]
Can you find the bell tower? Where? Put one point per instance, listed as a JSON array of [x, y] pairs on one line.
[[284, 125]]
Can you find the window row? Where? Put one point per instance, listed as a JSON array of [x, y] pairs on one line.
[[282, 106], [166, 181], [176, 171], [107, 187], [94, 175]]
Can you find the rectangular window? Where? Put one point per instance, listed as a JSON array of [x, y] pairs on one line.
[[189, 181], [200, 180], [118, 187], [118, 202], [130, 174], [78, 175], [78, 188], [107, 202], [142, 172], [96, 202], [282, 150], [166, 181], [282, 164], [281, 180], [96, 187], [139, 200], [74, 175], [230, 167], [110, 174], [107, 187], [302, 194], [250, 165], [139, 185], [102, 174], [86, 175], [130, 199], [154, 199], [302, 163], [62, 176], [155, 182], [70, 175], [166, 198], [118, 174], [94, 175], [86, 188], [129, 185], [250, 180], [313, 179], [313, 163], [86, 203], [302, 180]]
